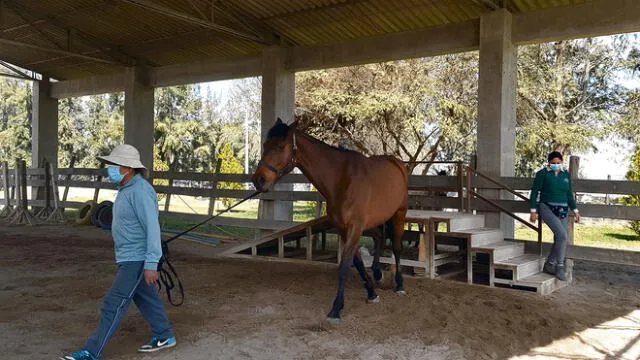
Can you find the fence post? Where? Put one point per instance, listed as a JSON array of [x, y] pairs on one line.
[[22, 214], [97, 188], [574, 168], [460, 184], [167, 201], [214, 188], [7, 211], [72, 163]]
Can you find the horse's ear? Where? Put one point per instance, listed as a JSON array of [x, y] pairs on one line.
[[279, 121]]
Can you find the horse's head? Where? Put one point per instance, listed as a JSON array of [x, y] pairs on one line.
[[278, 156]]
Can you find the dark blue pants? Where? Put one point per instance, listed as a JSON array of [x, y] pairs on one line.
[[129, 285]]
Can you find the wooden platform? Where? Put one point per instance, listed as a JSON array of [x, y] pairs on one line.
[[464, 248]]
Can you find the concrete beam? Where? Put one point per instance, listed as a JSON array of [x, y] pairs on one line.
[[206, 71], [138, 113], [93, 85], [594, 18], [44, 124], [430, 42], [497, 83]]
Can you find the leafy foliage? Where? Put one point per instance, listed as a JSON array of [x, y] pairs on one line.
[[568, 95], [418, 110], [634, 175], [229, 165], [15, 120]]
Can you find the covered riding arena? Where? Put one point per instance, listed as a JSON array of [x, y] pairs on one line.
[[267, 298]]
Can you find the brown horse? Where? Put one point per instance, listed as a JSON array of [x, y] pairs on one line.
[[361, 193]]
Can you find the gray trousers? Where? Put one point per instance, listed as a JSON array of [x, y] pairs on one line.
[[559, 228]]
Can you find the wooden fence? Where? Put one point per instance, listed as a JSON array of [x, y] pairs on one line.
[[206, 186]]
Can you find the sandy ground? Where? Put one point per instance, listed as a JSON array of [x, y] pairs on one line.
[[52, 280]]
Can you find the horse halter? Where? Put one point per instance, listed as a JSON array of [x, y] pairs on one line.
[[289, 166]]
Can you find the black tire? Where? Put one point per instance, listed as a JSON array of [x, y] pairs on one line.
[[105, 216], [94, 217]]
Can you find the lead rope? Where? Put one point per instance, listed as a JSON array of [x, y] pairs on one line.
[[167, 272]]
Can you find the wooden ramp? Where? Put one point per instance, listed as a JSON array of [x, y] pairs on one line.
[[439, 244], [296, 232]]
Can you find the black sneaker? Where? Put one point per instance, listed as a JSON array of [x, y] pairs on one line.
[[549, 268], [156, 344]]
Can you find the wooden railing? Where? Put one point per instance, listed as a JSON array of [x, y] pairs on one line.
[[200, 184]]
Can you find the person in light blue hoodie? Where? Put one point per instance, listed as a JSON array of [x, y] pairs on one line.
[[136, 235]]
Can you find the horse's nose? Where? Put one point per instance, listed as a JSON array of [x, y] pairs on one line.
[[258, 182]]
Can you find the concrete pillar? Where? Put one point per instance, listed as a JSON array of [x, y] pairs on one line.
[[138, 113], [497, 105], [44, 124], [278, 101]]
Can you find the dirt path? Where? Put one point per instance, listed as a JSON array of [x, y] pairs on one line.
[[52, 280]]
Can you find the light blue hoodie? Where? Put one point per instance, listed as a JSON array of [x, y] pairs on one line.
[[135, 227]]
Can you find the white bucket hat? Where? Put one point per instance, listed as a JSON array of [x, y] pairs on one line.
[[124, 155]]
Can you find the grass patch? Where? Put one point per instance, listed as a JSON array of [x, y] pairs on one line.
[[594, 236]]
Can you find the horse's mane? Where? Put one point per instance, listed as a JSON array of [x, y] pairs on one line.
[[280, 131]]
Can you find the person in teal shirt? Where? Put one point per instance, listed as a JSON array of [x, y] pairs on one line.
[[553, 185], [136, 236]]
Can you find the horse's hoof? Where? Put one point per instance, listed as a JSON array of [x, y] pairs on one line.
[[375, 300], [401, 292], [334, 321]]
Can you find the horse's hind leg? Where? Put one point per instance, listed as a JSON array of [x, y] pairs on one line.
[[397, 222], [378, 240], [372, 297]]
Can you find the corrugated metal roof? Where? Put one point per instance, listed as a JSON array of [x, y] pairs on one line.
[[128, 30]]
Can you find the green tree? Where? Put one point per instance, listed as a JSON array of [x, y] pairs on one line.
[[417, 110], [634, 175], [230, 165], [15, 120], [568, 95]]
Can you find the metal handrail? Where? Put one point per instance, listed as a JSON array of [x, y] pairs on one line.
[[502, 186], [470, 171]]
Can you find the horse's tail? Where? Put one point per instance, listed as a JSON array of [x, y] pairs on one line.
[[386, 230]]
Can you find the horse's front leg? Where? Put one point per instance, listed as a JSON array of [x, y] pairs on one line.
[[350, 244]]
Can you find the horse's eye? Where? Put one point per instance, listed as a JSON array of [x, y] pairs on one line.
[[281, 147]]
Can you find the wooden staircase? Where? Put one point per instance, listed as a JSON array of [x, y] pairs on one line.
[[494, 261]]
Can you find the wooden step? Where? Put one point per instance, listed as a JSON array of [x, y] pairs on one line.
[[477, 236], [542, 283], [455, 220], [502, 249], [466, 221], [522, 266]]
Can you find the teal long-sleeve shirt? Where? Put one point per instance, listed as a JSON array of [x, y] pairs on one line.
[[135, 228], [552, 189]]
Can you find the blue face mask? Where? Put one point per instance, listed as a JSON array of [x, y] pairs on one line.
[[555, 167], [114, 174]]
